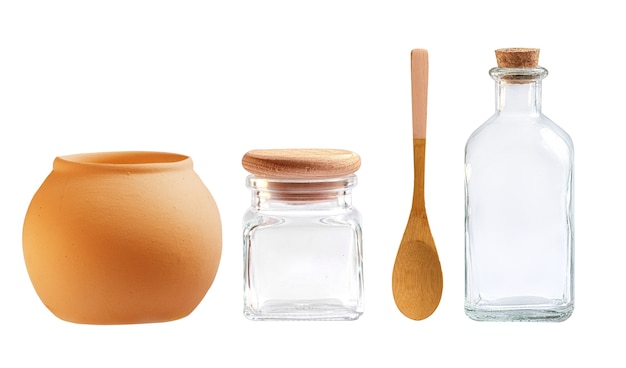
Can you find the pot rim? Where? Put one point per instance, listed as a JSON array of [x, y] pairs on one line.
[[124, 160]]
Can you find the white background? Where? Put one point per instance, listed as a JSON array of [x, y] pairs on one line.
[[214, 79]]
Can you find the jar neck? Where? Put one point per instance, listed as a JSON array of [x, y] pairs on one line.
[[286, 194], [518, 91]]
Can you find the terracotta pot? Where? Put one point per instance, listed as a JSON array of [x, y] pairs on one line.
[[122, 237]]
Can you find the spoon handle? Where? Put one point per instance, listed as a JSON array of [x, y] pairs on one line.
[[419, 91], [418, 207]]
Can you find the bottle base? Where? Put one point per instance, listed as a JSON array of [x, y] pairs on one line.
[[548, 311], [315, 310]]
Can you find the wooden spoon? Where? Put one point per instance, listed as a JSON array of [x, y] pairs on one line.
[[417, 280]]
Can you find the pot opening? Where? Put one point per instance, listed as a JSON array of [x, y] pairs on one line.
[[125, 158]]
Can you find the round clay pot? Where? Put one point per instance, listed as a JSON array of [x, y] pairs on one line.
[[122, 237]]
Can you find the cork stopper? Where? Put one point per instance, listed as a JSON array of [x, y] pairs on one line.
[[521, 58]]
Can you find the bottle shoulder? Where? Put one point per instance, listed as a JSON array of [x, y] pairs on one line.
[[518, 129], [520, 141]]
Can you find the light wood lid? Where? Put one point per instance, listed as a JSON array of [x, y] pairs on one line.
[[301, 163]]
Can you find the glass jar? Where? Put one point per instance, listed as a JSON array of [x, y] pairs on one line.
[[519, 203], [302, 236]]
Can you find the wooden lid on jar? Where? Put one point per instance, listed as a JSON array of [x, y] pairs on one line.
[[301, 163]]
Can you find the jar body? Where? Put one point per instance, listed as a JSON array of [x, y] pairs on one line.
[[519, 214], [121, 238], [302, 256]]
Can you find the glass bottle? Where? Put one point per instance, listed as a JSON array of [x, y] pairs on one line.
[[519, 203], [302, 236]]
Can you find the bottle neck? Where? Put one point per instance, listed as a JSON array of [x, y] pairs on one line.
[[285, 194], [518, 91], [518, 98]]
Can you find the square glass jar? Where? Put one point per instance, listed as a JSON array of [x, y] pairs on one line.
[[302, 239]]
